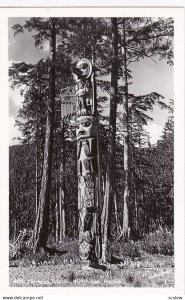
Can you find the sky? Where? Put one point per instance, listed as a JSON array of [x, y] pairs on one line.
[[148, 76]]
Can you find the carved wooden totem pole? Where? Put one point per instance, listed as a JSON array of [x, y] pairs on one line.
[[86, 134]]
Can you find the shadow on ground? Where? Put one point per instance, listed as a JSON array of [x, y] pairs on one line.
[[53, 251]]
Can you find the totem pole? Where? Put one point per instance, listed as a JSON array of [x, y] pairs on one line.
[[87, 170]]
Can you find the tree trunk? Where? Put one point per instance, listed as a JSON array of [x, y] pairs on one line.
[[126, 142], [15, 230], [56, 212], [62, 212], [118, 226], [109, 184], [40, 233], [36, 174], [62, 206]]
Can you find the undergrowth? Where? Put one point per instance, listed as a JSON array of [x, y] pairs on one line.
[[158, 242]]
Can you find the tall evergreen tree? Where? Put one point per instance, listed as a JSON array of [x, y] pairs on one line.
[[109, 184], [140, 38], [46, 30], [40, 233]]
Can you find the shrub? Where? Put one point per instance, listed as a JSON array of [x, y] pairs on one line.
[[159, 242], [71, 276], [131, 249]]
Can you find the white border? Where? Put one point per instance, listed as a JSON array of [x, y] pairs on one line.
[[178, 15], [90, 3]]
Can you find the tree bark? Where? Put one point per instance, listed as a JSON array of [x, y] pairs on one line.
[[40, 233], [36, 173], [118, 226], [61, 192], [126, 142], [56, 212], [109, 184]]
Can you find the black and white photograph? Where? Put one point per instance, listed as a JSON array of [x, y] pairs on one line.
[[91, 151]]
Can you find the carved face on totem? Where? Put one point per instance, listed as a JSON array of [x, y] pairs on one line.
[[84, 68], [82, 87], [86, 127]]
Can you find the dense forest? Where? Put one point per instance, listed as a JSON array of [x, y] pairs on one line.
[[136, 178]]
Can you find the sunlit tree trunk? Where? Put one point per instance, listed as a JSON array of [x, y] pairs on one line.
[[109, 184], [126, 141], [62, 206]]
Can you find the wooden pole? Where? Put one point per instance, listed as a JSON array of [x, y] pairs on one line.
[[87, 169]]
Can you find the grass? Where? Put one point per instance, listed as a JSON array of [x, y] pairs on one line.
[[72, 274], [141, 265]]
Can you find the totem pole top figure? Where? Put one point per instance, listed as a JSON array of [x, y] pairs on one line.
[[83, 69], [84, 91]]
